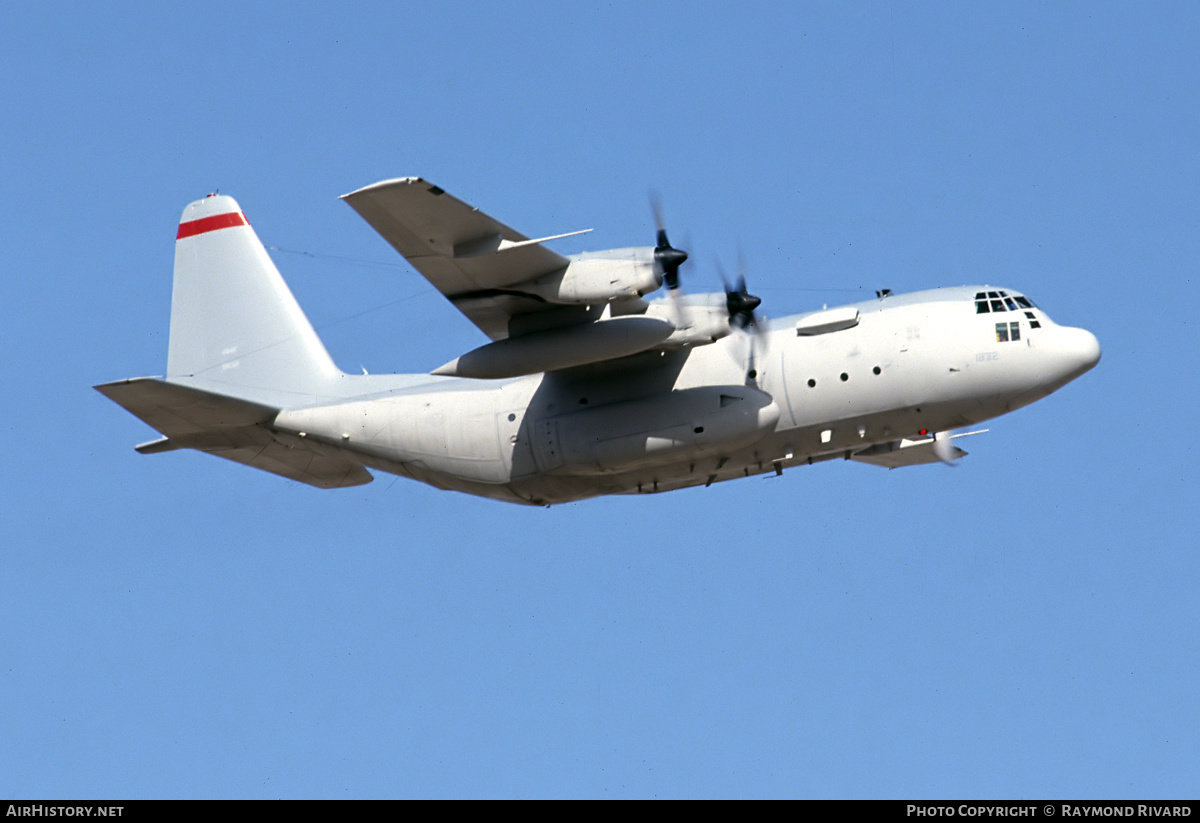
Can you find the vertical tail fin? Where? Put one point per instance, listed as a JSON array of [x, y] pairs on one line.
[[234, 321]]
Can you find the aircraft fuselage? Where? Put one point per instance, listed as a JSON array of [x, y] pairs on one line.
[[909, 366]]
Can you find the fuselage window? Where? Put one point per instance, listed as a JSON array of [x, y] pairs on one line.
[[1001, 332]]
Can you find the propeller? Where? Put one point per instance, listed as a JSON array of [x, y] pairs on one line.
[[740, 304], [666, 255]]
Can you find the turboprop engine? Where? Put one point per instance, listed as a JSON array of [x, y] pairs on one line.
[[608, 286], [599, 277]]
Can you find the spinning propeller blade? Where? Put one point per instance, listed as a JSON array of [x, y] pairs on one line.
[[666, 255], [740, 305], [738, 302]]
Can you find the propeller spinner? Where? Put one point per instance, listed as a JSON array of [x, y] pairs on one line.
[[741, 305], [666, 255], [738, 302]]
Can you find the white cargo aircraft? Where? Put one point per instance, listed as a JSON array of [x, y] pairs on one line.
[[586, 388]]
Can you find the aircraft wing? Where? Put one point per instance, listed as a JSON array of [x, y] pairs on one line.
[[915, 452], [468, 256]]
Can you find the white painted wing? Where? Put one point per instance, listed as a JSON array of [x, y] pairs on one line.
[[468, 256], [899, 453], [915, 452]]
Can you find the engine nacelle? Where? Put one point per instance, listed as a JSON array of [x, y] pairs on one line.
[[666, 428], [695, 324], [599, 277]]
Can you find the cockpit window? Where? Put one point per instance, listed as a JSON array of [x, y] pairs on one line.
[[997, 301]]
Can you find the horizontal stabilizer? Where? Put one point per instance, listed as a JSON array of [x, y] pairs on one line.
[[231, 428]]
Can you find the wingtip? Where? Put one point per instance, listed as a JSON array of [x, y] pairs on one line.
[[383, 184]]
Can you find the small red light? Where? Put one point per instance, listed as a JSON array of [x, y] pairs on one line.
[[923, 432]]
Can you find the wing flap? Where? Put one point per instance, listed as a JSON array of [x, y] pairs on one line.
[[231, 428]]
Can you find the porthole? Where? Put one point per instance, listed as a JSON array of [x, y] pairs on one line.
[[877, 370], [812, 384], [845, 377]]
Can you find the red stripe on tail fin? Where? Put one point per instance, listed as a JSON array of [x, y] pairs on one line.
[[212, 223]]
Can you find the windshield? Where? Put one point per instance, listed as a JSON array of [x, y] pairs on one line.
[[990, 301]]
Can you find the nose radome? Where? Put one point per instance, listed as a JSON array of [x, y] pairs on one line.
[[1082, 349]]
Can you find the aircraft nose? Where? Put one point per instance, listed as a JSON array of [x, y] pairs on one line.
[[1079, 350]]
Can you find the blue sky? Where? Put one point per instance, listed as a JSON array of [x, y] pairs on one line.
[[1025, 625]]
